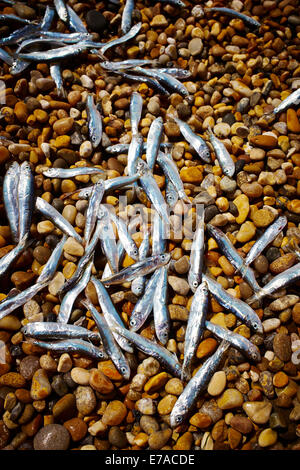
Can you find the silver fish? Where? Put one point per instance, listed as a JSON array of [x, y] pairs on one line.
[[20, 34], [47, 19], [18, 66], [268, 236], [222, 154], [195, 328], [53, 330], [236, 14], [281, 281], [71, 172], [127, 16], [152, 190], [110, 185], [159, 235], [233, 256], [55, 72], [92, 210], [68, 301], [138, 284], [196, 386], [165, 79], [110, 346], [239, 308], [180, 74], [292, 100], [75, 23], [140, 268], [107, 269], [8, 260], [193, 139], [170, 192], [136, 108], [50, 267], [125, 238], [164, 357], [61, 10], [33, 43], [108, 239], [110, 314], [160, 89], [55, 54], [57, 218], [70, 38], [94, 121], [160, 309], [170, 169], [7, 17], [10, 198], [134, 153], [239, 342], [5, 57], [78, 346], [144, 305], [83, 262], [197, 253], [115, 42], [123, 148], [12, 303], [125, 64], [26, 198], [153, 141]]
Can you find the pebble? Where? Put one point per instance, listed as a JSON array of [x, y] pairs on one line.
[[231, 398], [241, 424], [179, 285], [195, 46], [282, 346], [73, 247], [117, 437], [263, 218], [258, 411], [217, 383], [96, 21], [77, 428], [158, 439], [85, 400], [40, 386], [267, 437], [65, 408], [100, 382], [114, 413], [28, 366], [282, 263], [52, 437], [146, 406]]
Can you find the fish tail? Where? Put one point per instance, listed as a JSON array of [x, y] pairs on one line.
[[209, 131], [255, 298]]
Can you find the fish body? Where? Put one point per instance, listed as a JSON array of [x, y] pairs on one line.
[[7, 17], [7, 261], [6, 57], [53, 330], [159, 235], [107, 269], [151, 82], [134, 153], [136, 108], [250, 350], [20, 34], [292, 100], [233, 256], [180, 74], [144, 305], [61, 10], [125, 238], [138, 284], [109, 344], [196, 386], [127, 16], [123, 148], [26, 198], [55, 54], [94, 121], [63, 173], [10, 304], [194, 140], [125, 64], [92, 210], [47, 19], [78, 346], [268, 236], [110, 314], [197, 254], [164, 357], [170, 169], [222, 154], [160, 308], [108, 239], [236, 14], [67, 303], [126, 37], [75, 23], [50, 267], [110, 185], [153, 141], [171, 193], [55, 72], [236, 306], [140, 268], [165, 79], [195, 328], [10, 198], [50, 213]]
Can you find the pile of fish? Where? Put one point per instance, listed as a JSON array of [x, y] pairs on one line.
[[149, 272]]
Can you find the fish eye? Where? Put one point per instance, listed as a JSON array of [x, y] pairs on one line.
[[178, 419], [132, 322], [195, 284], [123, 370]]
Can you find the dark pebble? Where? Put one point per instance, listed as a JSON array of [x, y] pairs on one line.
[[184, 111], [59, 386], [52, 240], [16, 350], [58, 204], [117, 437], [16, 411], [295, 218], [235, 357], [239, 165], [268, 341], [229, 118], [28, 366], [272, 254], [4, 435], [243, 105], [69, 381], [52, 437], [210, 212], [233, 209], [60, 163], [96, 21], [51, 317], [42, 254]]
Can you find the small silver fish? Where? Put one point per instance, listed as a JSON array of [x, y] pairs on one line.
[[94, 121], [136, 108], [125, 64], [25, 198], [110, 346], [110, 184], [134, 153], [222, 154], [160, 309], [159, 235], [67, 303], [10, 198], [125, 238], [196, 386], [197, 253], [115, 42], [236, 14], [140, 268], [108, 239], [268, 236], [92, 210], [151, 82], [121, 254], [170, 169], [123, 148], [193, 139], [7, 17], [250, 350], [47, 19], [110, 313], [75, 23], [164, 357], [292, 100], [55, 54], [64, 173], [53, 330], [48, 211], [55, 72], [19, 34], [61, 10], [171, 193], [127, 16], [10, 304], [195, 328], [165, 79], [180, 74], [50, 267], [153, 141], [138, 284], [78, 346], [239, 308], [5, 57]]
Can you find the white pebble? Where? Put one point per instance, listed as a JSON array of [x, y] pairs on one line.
[[270, 324]]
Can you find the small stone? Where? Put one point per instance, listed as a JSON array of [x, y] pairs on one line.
[[4, 434], [252, 190], [242, 204], [48, 363], [246, 232], [182, 265], [292, 120], [184, 442], [80, 376], [85, 400], [96, 21], [261, 264], [73, 247], [100, 382], [206, 347], [284, 262], [63, 126], [56, 283], [158, 439], [179, 285], [45, 227], [217, 383], [241, 424], [258, 411], [231, 398], [52, 437], [12, 379], [156, 382], [174, 386], [241, 88], [263, 218], [77, 428], [282, 347], [264, 140], [114, 413], [267, 437], [65, 408], [283, 302], [227, 184], [178, 312], [146, 406], [201, 420], [28, 366], [195, 46], [64, 363], [159, 21], [149, 424], [40, 386], [22, 280], [117, 437], [191, 175], [166, 405]]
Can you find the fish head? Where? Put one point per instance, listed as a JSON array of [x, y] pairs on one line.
[[134, 252], [164, 258], [205, 153], [137, 289], [162, 332], [94, 139], [171, 199], [255, 354], [50, 172], [124, 368], [141, 167], [193, 282], [257, 326], [177, 416]]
